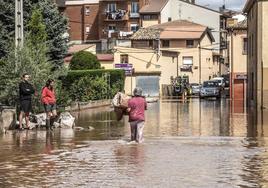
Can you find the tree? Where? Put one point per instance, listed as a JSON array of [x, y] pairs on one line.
[[31, 59], [84, 60], [7, 22], [37, 28], [56, 26]]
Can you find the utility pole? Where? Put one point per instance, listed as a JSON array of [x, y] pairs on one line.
[[19, 36]]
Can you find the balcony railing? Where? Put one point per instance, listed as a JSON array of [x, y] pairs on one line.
[[117, 15]]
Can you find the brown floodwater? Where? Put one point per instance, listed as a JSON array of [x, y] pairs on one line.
[[196, 143]]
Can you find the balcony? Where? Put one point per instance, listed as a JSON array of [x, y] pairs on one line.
[[117, 15]]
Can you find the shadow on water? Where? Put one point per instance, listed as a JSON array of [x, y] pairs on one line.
[[193, 143]]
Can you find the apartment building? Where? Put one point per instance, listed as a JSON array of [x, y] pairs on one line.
[[167, 50], [83, 19], [119, 18], [257, 57], [237, 53]]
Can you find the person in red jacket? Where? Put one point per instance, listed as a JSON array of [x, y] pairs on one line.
[[49, 101], [136, 108]]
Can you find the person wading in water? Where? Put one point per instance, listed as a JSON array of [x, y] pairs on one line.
[[136, 108], [49, 101]]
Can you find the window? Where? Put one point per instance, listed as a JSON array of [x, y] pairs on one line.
[[134, 27], [111, 28], [245, 46], [189, 43], [165, 43], [134, 7], [87, 29], [169, 19], [124, 59], [111, 7], [188, 60], [150, 17], [87, 11]]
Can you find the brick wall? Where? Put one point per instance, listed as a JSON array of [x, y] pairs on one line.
[[79, 21]]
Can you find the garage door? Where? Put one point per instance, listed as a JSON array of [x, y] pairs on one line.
[[149, 85]]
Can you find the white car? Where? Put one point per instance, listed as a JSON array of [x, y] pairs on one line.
[[220, 80]]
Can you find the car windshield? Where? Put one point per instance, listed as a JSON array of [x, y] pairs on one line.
[[210, 84]]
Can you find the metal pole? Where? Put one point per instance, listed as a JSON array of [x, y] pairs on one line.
[[200, 71], [177, 66], [19, 27]]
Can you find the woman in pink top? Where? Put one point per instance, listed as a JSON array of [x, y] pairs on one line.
[[136, 108], [49, 101]]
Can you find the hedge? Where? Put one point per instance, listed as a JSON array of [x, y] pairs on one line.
[[73, 75], [84, 85]]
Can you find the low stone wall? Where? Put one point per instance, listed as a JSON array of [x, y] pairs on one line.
[[87, 105], [7, 118]]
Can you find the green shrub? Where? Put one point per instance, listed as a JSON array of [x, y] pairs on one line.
[[84, 60], [85, 85]]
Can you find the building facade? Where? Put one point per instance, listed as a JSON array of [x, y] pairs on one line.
[[237, 53], [164, 51], [161, 11], [119, 18], [83, 20], [257, 57]]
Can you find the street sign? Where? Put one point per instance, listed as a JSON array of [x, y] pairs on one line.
[[128, 68]]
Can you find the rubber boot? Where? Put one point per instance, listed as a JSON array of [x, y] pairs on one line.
[[47, 124], [52, 120]]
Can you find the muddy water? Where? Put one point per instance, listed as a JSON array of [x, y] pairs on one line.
[[191, 144]]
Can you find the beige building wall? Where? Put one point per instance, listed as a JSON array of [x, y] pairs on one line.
[[107, 64], [147, 62], [239, 58], [148, 23], [264, 48], [258, 57]]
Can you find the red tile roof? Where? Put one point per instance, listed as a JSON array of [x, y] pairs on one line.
[[154, 6], [105, 57], [179, 29]]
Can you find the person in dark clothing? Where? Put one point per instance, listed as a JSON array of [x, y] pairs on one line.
[[26, 91]]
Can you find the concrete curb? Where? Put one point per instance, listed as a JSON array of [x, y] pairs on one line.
[[78, 106]]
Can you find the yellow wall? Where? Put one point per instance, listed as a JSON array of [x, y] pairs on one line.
[[147, 23], [107, 64], [239, 64]]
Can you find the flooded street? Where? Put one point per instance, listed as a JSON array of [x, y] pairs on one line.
[[203, 144]]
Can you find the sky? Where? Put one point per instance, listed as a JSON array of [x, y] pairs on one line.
[[230, 4]]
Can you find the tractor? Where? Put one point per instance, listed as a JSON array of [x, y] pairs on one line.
[[181, 86]]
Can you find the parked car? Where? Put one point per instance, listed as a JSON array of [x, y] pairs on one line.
[[220, 80], [210, 89], [195, 88]]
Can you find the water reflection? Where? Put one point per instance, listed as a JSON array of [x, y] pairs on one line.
[[195, 143]]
